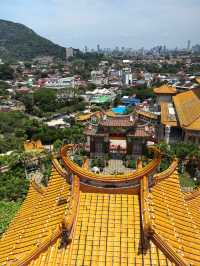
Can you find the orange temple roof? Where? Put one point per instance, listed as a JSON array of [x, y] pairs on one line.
[[166, 118], [67, 224], [165, 89], [187, 106], [33, 145]]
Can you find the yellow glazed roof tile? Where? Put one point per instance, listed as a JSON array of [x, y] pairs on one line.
[[105, 241], [165, 89], [172, 220], [166, 119], [31, 227], [107, 227], [114, 240], [187, 106]]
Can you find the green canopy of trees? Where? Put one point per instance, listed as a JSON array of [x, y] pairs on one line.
[[6, 72], [7, 213], [3, 88], [45, 99], [13, 184], [45, 102], [189, 160], [141, 92]]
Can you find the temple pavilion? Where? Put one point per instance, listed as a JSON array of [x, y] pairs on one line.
[[125, 135], [141, 218]]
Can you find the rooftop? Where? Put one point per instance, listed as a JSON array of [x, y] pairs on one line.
[[187, 106], [33, 145], [165, 89], [101, 99], [83, 224], [128, 121], [142, 131], [168, 115]]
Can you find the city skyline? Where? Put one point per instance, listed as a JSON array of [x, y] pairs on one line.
[[109, 23]]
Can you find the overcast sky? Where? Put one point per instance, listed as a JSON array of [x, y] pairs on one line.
[[110, 23]]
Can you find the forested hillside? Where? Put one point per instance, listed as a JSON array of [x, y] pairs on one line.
[[20, 42]]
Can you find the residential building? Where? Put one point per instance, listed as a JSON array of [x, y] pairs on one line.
[[60, 82]]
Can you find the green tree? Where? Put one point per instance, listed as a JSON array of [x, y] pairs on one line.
[[57, 145], [3, 88], [45, 99], [7, 213], [27, 100], [6, 72]]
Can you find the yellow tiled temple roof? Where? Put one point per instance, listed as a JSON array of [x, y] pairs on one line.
[[172, 220], [187, 106], [147, 114], [39, 216], [71, 226], [193, 200], [198, 80], [110, 113], [166, 119], [86, 117], [108, 232], [33, 145], [165, 89]]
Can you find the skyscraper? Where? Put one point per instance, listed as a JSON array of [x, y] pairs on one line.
[[188, 45], [85, 49], [98, 48], [69, 52]]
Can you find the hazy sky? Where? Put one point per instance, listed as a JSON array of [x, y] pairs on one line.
[[110, 23]]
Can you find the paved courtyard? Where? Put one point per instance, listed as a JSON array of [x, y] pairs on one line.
[[116, 166]]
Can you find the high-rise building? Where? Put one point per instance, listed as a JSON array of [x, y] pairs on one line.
[[69, 52], [98, 48], [85, 49], [188, 45]]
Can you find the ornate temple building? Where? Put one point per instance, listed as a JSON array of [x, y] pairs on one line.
[[119, 134], [181, 117], [164, 93], [82, 219]]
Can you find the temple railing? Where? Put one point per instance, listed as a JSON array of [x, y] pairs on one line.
[[38, 188], [167, 249], [193, 195], [68, 220], [88, 175], [59, 169], [165, 174], [146, 224]]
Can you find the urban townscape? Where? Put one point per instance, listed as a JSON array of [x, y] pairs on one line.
[[99, 152]]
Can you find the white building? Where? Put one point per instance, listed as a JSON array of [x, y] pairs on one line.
[[61, 83], [97, 77], [69, 52]]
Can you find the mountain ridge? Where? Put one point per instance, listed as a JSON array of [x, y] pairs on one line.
[[20, 42]]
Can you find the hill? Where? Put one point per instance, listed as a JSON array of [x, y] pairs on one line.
[[20, 42]]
